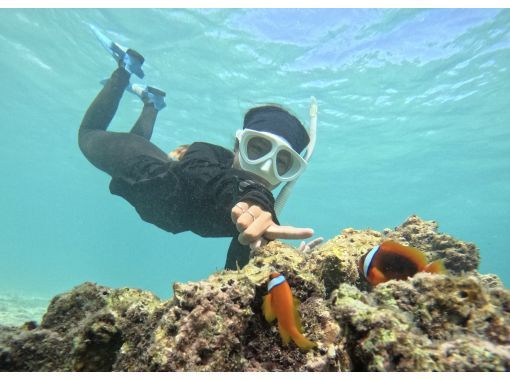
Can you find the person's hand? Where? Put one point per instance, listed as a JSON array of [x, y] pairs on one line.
[[256, 226], [310, 246]]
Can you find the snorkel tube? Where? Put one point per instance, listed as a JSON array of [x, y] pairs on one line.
[[284, 194]]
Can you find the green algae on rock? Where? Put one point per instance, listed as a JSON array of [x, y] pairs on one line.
[[455, 322]]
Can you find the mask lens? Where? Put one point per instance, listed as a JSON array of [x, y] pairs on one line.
[[258, 147], [283, 162]]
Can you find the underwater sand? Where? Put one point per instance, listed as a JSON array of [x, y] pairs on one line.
[[16, 309]]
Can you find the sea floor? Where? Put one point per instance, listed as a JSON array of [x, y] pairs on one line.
[[17, 309]]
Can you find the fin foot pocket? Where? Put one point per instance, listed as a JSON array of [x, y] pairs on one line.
[[149, 94], [132, 61]]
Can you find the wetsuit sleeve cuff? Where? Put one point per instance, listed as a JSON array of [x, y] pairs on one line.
[[253, 192]]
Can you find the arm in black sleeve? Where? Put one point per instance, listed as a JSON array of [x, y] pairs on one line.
[[212, 188], [210, 211], [195, 194], [238, 255], [248, 191], [253, 192]]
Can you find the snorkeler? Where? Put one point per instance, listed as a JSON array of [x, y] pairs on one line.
[[202, 188]]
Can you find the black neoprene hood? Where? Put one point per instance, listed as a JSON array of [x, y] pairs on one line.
[[276, 120]]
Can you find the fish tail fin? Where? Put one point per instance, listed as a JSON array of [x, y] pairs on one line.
[[303, 342], [267, 309], [435, 267], [284, 334], [297, 317], [297, 336]]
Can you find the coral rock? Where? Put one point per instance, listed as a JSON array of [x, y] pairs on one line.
[[454, 322]]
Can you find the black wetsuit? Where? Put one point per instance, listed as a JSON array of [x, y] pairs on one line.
[[194, 194]]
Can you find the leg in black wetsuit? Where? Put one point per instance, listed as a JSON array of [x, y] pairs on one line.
[[112, 151], [145, 123]]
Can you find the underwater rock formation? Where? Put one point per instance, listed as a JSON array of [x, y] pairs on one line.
[[455, 322]]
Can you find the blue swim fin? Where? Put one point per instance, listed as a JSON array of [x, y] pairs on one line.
[[130, 59], [149, 94]]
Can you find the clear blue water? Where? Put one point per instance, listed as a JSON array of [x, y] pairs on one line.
[[414, 118]]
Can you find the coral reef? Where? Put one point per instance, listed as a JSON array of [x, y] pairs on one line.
[[454, 322]]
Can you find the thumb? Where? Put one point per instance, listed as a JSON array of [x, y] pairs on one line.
[[287, 232]]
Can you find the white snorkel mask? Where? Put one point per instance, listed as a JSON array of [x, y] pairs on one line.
[[272, 158], [269, 156]]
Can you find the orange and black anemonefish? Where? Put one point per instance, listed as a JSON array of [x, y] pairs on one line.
[[393, 261], [280, 304]]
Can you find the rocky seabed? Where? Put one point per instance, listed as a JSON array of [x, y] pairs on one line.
[[454, 322]]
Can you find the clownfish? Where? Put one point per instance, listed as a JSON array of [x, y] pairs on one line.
[[393, 261], [280, 304]]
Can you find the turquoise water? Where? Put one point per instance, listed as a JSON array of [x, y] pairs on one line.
[[414, 117]]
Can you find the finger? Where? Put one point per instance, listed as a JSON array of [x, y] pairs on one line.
[[287, 232], [259, 243], [258, 225], [256, 229], [255, 244], [310, 246], [238, 209], [243, 222], [314, 243], [248, 217]]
